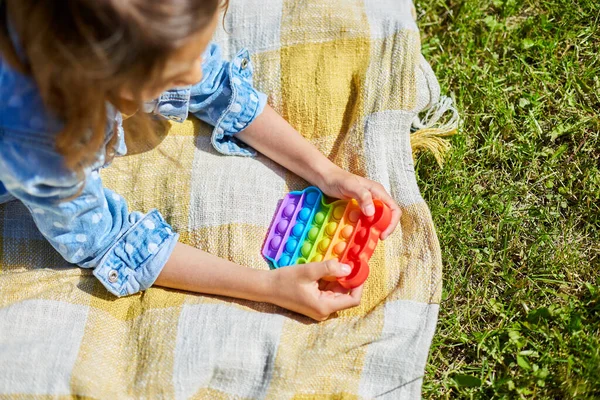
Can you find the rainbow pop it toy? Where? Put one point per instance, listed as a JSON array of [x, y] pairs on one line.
[[306, 229]]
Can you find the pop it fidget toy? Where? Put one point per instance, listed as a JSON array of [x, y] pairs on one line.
[[306, 229]]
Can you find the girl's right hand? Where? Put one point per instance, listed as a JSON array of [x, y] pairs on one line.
[[300, 288]]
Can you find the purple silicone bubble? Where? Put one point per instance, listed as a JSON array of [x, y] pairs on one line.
[[282, 226], [275, 243], [288, 211]]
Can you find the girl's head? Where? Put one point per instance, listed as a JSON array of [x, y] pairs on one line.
[[82, 53]]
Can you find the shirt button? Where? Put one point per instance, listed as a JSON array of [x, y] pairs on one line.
[[244, 63], [113, 275]]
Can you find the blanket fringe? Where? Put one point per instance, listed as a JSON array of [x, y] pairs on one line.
[[429, 135]]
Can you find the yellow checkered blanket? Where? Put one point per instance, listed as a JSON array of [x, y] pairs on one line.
[[348, 74]]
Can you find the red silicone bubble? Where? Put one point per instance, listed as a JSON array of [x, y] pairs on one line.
[[361, 236], [385, 216], [354, 251]]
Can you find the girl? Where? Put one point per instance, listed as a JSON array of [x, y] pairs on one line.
[[68, 74]]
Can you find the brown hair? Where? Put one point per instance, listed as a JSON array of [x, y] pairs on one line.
[[81, 53]]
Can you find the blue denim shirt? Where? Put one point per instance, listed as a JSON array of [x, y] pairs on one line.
[[127, 250]]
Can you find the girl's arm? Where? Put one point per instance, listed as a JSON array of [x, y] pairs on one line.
[[295, 288], [277, 139], [198, 271]]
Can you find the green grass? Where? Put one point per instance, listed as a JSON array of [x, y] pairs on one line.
[[517, 204]]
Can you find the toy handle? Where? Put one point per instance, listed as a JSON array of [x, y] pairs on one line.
[[385, 219], [359, 274], [360, 265]]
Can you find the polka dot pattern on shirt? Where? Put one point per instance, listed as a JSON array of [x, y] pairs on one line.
[[149, 224], [37, 123], [78, 254], [15, 101], [152, 248]]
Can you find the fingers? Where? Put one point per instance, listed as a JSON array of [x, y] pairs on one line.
[[316, 271], [337, 302], [396, 214], [329, 297], [382, 194], [365, 201], [335, 287]]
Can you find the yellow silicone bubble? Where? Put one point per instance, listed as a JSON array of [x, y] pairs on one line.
[[324, 244], [338, 212], [317, 258], [331, 227]]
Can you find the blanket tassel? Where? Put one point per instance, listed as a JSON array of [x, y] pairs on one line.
[[429, 135]]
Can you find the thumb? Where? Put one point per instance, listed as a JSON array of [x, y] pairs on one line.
[[320, 270], [365, 201]]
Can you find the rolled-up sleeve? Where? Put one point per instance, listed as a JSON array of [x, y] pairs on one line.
[[88, 224], [225, 99]]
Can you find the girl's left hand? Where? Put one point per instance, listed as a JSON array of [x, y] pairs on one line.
[[344, 185]]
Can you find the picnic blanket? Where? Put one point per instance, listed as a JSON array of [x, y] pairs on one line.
[[349, 75]]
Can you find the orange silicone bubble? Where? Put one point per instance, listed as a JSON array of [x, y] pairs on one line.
[[339, 248], [347, 232], [354, 216]]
